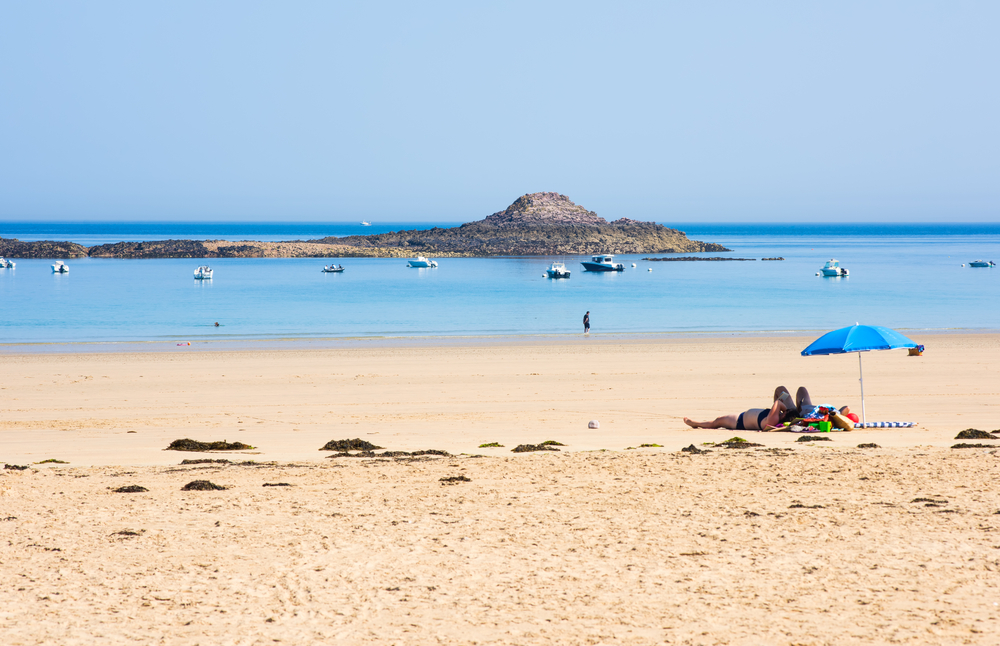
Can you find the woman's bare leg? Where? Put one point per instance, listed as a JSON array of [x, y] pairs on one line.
[[726, 421], [781, 394], [802, 398]]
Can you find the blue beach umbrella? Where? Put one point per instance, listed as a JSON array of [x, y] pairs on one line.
[[858, 338]]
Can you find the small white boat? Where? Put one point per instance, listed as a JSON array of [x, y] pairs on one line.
[[60, 268], [421, 263], [982, 263], [557, 270], [365, 223], [603, 262], [203, 273], [833, 268], [333, 269], [6, 264]]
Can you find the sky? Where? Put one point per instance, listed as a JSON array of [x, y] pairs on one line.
[[447, 112]]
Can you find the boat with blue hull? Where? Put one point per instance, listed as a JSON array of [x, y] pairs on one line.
[[603, 262]]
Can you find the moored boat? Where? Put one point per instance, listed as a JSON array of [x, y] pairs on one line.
[[557, 270], [6, 264], [982, 263], [833, 268], [422, 263], [203, 273], [333, 269], [603, 262], [60, 268]]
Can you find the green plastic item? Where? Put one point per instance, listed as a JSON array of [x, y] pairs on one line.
[[822, 427]]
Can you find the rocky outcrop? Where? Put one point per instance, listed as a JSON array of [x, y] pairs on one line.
[[227, 249], [14, 248], [537, 224], [543, 209]]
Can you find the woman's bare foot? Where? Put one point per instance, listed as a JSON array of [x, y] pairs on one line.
[[692, 423]]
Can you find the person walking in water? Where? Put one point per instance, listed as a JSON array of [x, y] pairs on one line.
[[586, 322]]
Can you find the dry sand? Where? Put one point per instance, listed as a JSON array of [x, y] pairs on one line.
[[818, 543]]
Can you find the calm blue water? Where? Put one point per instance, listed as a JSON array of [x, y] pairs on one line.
[[902, 276]]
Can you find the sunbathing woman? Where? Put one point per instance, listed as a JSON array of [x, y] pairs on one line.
[[762, 419], [758, 419]]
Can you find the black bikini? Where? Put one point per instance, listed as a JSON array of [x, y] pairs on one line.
[[760, 421]]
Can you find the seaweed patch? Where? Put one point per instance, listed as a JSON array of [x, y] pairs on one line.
[[963, 445], [694, 449], [527, 448], [451, 480], [975, 434], [202, 485], [357, 444], [130, 489], [206, 461], [194, 445], [869, 445], [491, 445], [813, 438]]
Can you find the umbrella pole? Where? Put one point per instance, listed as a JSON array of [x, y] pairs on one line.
[[864, 419]]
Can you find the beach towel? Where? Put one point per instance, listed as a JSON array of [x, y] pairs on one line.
[[885, 425]]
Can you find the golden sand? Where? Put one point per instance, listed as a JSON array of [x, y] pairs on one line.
[[795, 543]]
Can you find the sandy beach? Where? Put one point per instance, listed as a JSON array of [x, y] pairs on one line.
[[789, 543]]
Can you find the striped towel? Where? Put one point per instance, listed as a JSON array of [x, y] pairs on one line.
[[885, 425]]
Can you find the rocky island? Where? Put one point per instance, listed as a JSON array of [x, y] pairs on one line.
[[535, 224]]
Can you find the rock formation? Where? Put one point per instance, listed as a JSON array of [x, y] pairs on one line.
[[14, 248], [535, 224]]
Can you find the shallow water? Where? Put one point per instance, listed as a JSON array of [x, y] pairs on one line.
[[907, 278]]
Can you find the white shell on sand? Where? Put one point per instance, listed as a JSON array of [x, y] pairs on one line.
[[594, 424]]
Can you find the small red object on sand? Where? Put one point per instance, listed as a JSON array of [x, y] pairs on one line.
[[854, 418]]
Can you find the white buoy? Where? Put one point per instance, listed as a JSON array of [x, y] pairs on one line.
[[649, 269], [633, 264], [817, 273], [963, 264], [594, 424]]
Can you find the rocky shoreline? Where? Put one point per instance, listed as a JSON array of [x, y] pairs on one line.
[[537, 224]]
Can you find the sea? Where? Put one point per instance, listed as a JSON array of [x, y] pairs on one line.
[[911, 277]]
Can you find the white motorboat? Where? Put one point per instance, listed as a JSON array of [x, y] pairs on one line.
[[557, 270], [203, 273], [603, 262], [982, 263], [60, 268], [833, 268], [6, 264], [365, 223], [422, 263], [333, 269]]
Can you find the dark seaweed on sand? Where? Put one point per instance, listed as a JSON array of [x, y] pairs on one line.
[[869, 445], [194, 445], [356, 444], [15, 467], [206, 461], [389, 454], [201, 485], [276, 484], [813, 438], [455, 479], [975, 434], [130, 489], [491, 445], [737, 443], [552, 443], [694, 449], [963, 445], [527, 448]]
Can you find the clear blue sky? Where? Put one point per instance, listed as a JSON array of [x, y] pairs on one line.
[[695, 111]]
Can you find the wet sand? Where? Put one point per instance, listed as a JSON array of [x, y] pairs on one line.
[[795, 543]]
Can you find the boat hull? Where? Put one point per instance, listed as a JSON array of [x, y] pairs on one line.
[[594, 266], [558, 274], [980, 263]]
